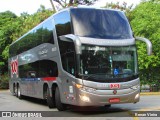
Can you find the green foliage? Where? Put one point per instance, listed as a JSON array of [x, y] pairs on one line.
[[67, 3], [72, 2], [4, 81], [123, 7], [7, 28], [145, 21], [12, 27], [30, 21]]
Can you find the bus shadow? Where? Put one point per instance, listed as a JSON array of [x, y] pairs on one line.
[[99, 111], [74, 111], [35, 100]]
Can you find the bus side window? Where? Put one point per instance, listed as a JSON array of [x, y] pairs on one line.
[[39, 69], [48, 68], [47, 32], [68, 62], [63, 23], [31, 74], [67, 49]]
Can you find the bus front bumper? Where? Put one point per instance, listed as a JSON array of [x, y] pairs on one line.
[[92, 99]]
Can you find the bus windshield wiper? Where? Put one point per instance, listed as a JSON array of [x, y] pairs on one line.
[[123, 74], [97, 74], [86, 76]]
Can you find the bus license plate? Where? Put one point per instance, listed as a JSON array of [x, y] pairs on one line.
[[114, 100]]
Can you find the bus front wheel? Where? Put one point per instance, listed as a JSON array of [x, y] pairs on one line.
[[60, 106]]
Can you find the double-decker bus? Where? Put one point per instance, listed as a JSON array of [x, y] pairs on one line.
[[78, 56]]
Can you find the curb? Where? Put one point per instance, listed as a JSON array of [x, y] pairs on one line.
[[150, 93], [4, 89]]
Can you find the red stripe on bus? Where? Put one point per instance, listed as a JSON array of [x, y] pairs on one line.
[[49, 78]]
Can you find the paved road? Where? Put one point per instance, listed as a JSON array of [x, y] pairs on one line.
[[9, 102]]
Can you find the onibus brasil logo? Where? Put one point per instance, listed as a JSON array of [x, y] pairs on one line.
[[14, 67]]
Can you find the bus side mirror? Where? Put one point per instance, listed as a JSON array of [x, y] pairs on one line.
[[148, 42], [73, 38]]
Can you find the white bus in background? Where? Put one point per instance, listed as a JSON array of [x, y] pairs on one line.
[[78, 56]]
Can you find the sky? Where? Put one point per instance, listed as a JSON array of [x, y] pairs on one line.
[[31, 6]]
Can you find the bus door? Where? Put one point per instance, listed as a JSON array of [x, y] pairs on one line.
[[69, 66]]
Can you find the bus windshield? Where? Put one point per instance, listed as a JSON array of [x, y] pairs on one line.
[[100, 23], [108, 64]]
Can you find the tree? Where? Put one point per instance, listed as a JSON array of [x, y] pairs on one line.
[[123, 7], [66, 3], [8, 26], [144, 20], [12, 27]]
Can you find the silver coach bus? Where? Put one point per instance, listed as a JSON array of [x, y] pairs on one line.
[[78, 56]]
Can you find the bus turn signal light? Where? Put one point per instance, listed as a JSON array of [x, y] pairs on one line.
[[78, 86]]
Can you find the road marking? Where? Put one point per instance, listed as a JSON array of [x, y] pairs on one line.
[[131, 114], [135, 118]]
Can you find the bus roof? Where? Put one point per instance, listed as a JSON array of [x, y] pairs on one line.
[[66, 9]]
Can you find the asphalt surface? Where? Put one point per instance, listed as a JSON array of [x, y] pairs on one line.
[[149, 105]]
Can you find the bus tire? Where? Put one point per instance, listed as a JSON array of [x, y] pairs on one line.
[[19, 92], [108, 106], [14, 90], [50, 100], [60, 106]]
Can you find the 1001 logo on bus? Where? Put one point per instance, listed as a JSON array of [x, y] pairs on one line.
[[14, 67]]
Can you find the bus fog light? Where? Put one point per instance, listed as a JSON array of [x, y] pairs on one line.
[[137, 96], [84, 98]]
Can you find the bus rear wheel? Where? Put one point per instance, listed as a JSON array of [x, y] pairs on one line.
[[60, 106], [14, 90], [19, 92], [50, 100]]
